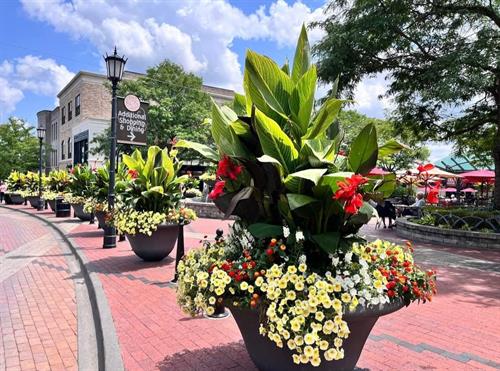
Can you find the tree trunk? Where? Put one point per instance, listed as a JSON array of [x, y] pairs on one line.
[[496, 150]]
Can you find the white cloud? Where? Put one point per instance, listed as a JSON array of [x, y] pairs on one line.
[[198, 34], [369, 98], [439, 150], [29, 74], [9, 97]]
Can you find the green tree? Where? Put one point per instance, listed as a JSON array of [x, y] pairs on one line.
[[178, 106], [441, 58], [19, 147], [352, 122]]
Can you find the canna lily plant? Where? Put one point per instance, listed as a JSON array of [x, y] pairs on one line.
[[279, 159], [152, 195], [81, 184], [56, 184]]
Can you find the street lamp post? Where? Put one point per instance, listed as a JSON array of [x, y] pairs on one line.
[[41, 135], [114, 66]]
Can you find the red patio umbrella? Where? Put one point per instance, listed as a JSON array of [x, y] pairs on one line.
[[378, 171], [469, 190], [479, 176]]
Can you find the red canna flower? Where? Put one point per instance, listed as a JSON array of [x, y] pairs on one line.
[[133, 173], [348, 192], [432, 196], [228, 169], [218, 190], [423, 168]]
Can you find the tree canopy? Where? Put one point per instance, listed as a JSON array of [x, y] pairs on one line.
[[352, 122], [178, 106], [441, 59], [19, 147]]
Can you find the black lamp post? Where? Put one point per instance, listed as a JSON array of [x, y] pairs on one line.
[[41, 135], [115, 66]]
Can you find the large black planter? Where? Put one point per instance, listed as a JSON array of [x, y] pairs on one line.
[[268, 357], [52, 204], [79, 213], [158, 245], [33, 200], [101, 219], [13, 199]]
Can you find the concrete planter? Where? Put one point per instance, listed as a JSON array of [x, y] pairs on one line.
[[268, 357], [79, 213], [158, 245], [446, 237], [13, 199]]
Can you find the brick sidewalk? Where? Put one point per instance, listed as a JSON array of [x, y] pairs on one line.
[[37, 298], [459, 330]]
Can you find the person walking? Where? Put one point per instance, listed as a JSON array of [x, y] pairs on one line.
[[3, 189]]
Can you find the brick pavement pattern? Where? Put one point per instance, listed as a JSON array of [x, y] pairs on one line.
[[37, 299], [459, 330]]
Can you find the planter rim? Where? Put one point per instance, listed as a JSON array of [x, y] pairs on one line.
[[361, 310]]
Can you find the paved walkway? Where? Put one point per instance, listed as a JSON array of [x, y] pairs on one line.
[[459, 330]]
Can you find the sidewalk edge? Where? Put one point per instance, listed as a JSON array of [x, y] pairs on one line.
[[108, 348]]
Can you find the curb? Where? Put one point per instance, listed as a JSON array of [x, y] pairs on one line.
[[108, 349]]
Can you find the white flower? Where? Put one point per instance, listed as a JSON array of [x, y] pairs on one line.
[[348, 257], [286, 232], [361, 301], [335, 261], [302, 259], [356, 278], [299, 236], [353, 292]]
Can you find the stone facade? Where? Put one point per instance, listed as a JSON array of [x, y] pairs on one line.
[[446, 237], [84, 112]]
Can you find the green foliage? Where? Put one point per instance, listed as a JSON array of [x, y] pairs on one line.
[[291, 168], [58, 181], [16, 181], [19, 147], [390, 139], [82, 181], [155, 185], [441, 60]]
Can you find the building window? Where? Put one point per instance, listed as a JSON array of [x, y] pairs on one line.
[[63, 116], [70, 111], [62, 149], [69, 148], [77, 105]]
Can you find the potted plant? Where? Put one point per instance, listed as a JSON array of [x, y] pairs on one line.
[[98, 203], [81, 187], [303, 287], [31, 185], [56, 186], [15, 185], [148, 212]]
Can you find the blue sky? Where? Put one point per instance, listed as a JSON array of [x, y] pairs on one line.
[[44, 42]]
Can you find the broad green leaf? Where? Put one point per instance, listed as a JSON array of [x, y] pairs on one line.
[[225, 137], [242, 129], [156, 189], [267, 85], [329, 241], [318, 151], [240, 104], [302, 58], [272, 160], [364, 214], [202, 149], [296, 200], [327, 185], [286, 67], [363, 153], [391, 147], [294, 181], [244, 194], [151, 160], [324, 118], [386, 185], [302, 100], [264, 230], [274, 141]]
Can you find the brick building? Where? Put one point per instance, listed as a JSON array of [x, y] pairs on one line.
[[84, 111]]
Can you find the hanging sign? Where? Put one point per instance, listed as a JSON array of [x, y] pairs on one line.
[[132, 120]]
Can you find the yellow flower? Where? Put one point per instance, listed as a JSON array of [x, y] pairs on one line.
[[315, 361], [258, 281], [308, 351], [210, 311], [296, 359], [310, 338], [299, 286], [331, 354], [302, 267], [291, 344], [292, 269], [244, 285], [319, 316], [211, 300], [299, 340], [346, 298], [323, 345], [378, 284]]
